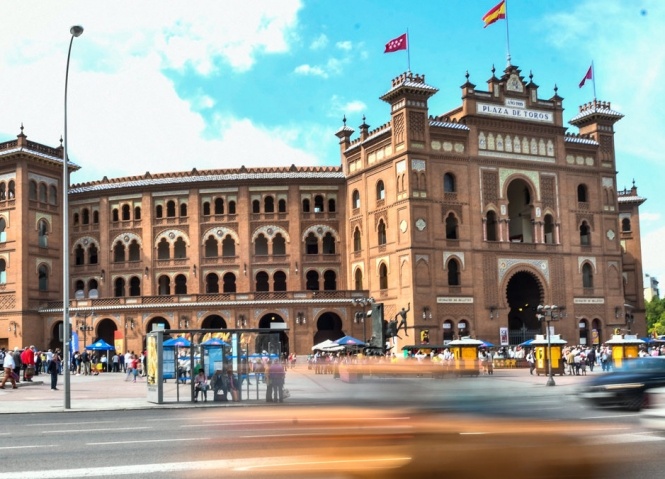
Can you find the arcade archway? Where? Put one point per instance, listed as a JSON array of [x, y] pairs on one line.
[[523, 293], [328, 326], [273, 343], [56, 337], [106, 329], [214, 321]]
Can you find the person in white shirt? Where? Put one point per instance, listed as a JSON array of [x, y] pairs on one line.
[[9, 365]]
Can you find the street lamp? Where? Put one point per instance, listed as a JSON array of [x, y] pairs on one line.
[[363, 302], [83, 326], [76, 31], [548, 313]]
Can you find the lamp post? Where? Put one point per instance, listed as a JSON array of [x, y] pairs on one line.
[[300, 321], [548, 313], [363, 302], [76, 31], [82, 326]]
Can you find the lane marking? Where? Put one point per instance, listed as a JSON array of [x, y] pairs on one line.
[[63, 424], [103, 429], [111, 443], [26, 447], [613, 416]]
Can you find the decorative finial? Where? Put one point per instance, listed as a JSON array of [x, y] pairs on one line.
[[467, 75], [493, 69], [363, 118], [556, 89], [344, 120], [21, 128], [60, 140], [633, 182], [530, 75]]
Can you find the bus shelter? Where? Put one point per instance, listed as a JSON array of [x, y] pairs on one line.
[[232, 353], [624, 347]]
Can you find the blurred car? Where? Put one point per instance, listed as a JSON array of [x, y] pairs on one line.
[[626, 386], [653, 416]]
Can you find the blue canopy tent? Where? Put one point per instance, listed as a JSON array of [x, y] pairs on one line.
[[179, 341], [527, 343], [486, 344], [100, 345], [350, 341]]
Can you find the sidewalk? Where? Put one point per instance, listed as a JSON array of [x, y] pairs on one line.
[[110, 391]]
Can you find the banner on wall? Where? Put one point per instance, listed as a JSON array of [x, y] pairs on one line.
[[503, 336], [118, 342]]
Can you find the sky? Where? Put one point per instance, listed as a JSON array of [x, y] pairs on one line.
[[171, 86]]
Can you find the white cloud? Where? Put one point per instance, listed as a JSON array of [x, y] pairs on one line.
[[340, 107], [649, 217], [310, 71], [653, 260], [345, 45], [319, 43]]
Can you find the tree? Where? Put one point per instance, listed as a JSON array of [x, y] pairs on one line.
[[655, 316]]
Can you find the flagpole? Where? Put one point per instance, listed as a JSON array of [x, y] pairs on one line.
[[593, 78], [507, 33], [408, 51]]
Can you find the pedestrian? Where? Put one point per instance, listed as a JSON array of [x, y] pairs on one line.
[[85, 363], [121, 363], [17, 362], [28, 363], [277, 374], [532, 361], [54, 368], [8, 365], [115, 361]]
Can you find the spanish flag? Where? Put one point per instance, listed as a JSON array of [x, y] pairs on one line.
[[496, 13]]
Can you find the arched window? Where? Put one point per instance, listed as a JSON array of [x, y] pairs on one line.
[[329, 280], [383, 276], [11, 190], [115, 216], [183, 210], [211, 247], [79, 285], [170, 209], [93, 256], [311, 244], [358, 280], [449, 183], [256, 206], [95, 217], [206, 209], [159, 211], [585, 234], [52, 195], [125, 213], [279, 281], [75, 219], [134, 251], [3, 191], [181, 284], [355, 199], [269, 204], [453, 273], [79, 256], [548, 229], [451, 227], [625, 225], [135, 286], [119, 288], [281, 206], [582, 196], [85, 216], [328, 244], [587, 276], [219, 206], [164, 285], [305, 205], [212, 283], [3, 271], [232, 207], [179, 248], [137, 212], [163, 249], [318, 204], [312, 281], [380, 191], [42, 233], [228, 246], [357, 240], [331, 205], [491, 226], [229, 280], [262, 281], [32, 190], [43, 274], [3, 227], [119, 252], [278, 245], [261, 245], [381, 236], [43, 196]]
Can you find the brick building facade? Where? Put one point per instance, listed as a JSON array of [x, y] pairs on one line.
[[469, 219]]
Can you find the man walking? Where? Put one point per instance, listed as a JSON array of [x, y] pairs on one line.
[[17, 362], [28, 361], [8, 365], [276, 373]]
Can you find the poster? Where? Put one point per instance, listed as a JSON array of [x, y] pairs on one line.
[[503, 336]]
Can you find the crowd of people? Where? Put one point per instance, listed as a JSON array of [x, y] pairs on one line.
[[22, 365]]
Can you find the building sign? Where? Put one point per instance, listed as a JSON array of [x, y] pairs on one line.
[[454, 299], [589, 300], [514, 109]]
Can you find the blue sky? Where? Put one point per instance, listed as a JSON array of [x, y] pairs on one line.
[[167, 86]]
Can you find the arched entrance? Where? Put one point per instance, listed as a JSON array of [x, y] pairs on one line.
[[524, 294], [214, 321], [106, 329], [328, 326], [158, 322], [272, 343], [520, 205], [56, 337]]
